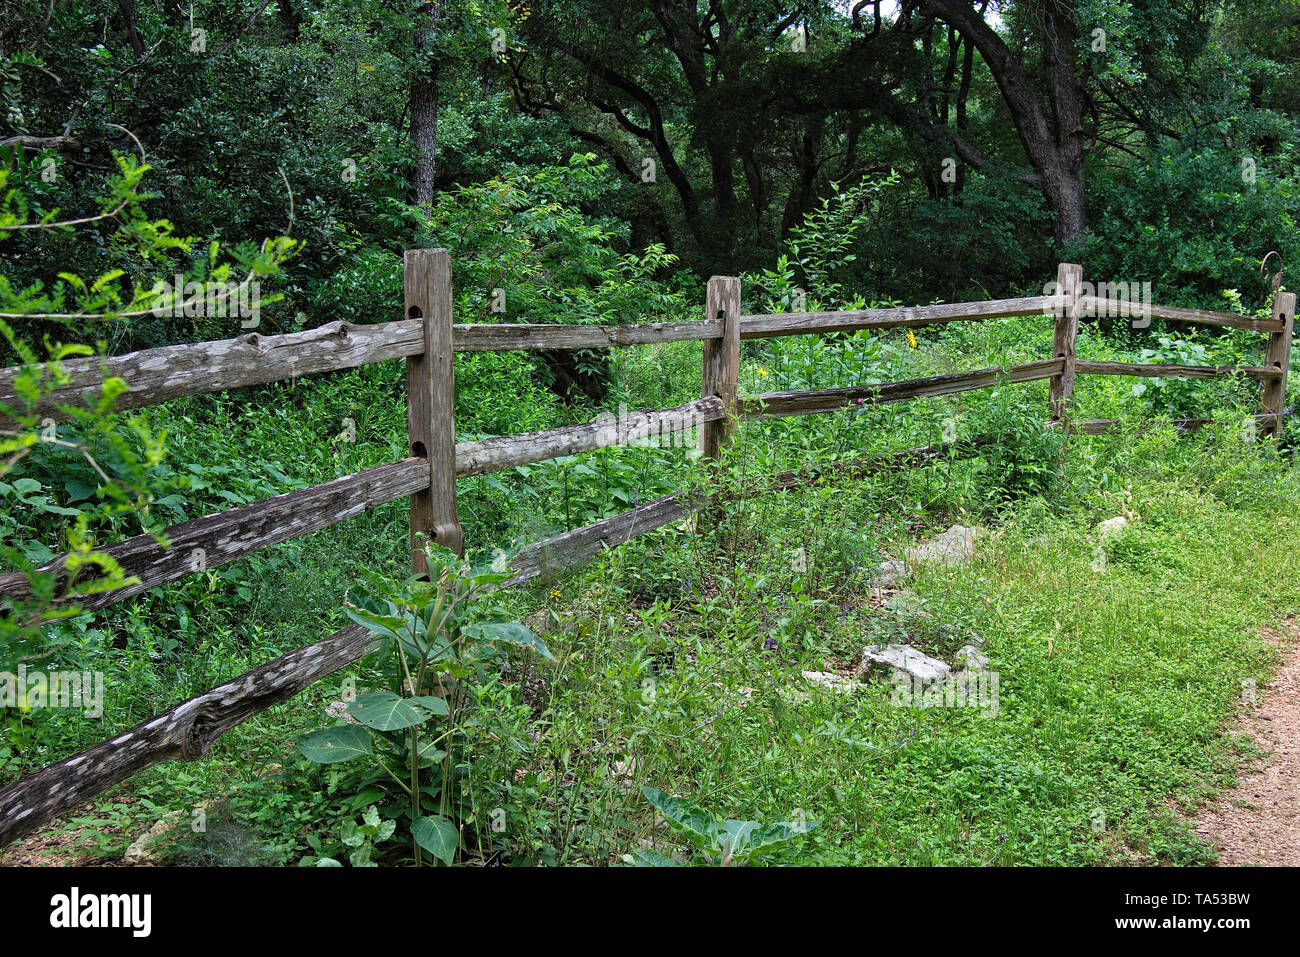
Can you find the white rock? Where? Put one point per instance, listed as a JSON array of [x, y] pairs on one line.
[[1111, 527], [953, 547], [832, 681], [147, 848], [972, 658], [904, 658], [888, 574]]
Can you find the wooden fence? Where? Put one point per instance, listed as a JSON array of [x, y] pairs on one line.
[[428, 338]]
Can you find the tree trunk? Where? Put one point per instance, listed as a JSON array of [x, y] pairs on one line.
[[1055, 140], [424, 108], [132, 30]]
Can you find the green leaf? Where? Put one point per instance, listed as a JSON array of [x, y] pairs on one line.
[[431, 703], [510, 632], [697, 823], [331, 745], [648, 858], [385, 711], [437, 835]]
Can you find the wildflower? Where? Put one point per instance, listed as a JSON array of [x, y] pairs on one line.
[[762, 371], [911, 339]]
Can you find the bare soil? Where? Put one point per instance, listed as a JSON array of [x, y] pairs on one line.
[[1258, 822]]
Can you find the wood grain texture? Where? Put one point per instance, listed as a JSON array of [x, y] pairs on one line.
[[1069, 277], [561, 554], [721, 374], [505, 337], [1173, 371], [778, 404], [671, 426], [1278, 358], [1224, 320], [223, 537], [157, 375], [851, 320], [184, 732], [431, 404]]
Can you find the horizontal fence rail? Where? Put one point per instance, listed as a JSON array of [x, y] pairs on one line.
[[1097, 306], [509, 451], [426, 341], [184, 732], [854, 320], [1173, 371], [170, 372], [222, 537], [781, 404]]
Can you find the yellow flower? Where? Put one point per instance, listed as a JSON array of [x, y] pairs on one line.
[[911, 339], [762, 371]]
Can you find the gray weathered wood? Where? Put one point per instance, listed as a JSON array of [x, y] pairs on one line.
[[1225, 320], [543, 336], [671, 426], [431, 404], [184, 732], [217, 539], [1278, 358], [1069, 276], [564, 552], [157, 375], [851, 320], [222, 537], [721, 375], [779, 404], [1173, 371]]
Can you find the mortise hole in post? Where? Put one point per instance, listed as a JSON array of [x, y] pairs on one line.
[[414, 313], [419, 451]]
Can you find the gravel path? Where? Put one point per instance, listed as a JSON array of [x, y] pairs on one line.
[[1258, 822]]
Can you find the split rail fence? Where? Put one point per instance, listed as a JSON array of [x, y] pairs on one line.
[[428, 338]]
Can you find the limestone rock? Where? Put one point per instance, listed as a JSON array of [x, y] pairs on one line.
[[902, 658], [954, 547], [888, 574], [1111, 527], [832, 681], [148, 847]]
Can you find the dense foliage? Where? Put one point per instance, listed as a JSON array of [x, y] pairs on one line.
[[595, 162]]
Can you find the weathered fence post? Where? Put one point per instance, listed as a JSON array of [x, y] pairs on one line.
[[1279, 357], [721, 362], [1069, 277], [431, 402]]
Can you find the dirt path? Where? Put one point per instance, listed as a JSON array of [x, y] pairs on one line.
[[1258, 822]]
